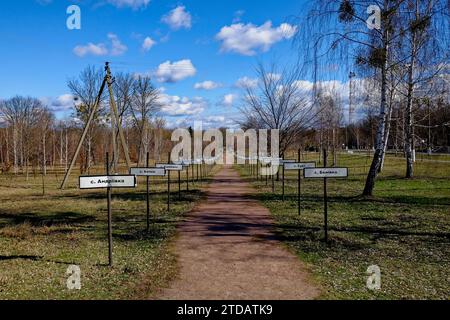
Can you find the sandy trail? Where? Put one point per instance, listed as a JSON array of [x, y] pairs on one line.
[[227, 250]]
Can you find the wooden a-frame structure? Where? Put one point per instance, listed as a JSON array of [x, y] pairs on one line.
[[115, 121]]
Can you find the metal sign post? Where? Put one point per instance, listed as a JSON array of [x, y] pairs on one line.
[[148, 194], [108, 182], [169, 168], [283, 162], [148, 172], [325, 174], [109, 199], [299, 167]]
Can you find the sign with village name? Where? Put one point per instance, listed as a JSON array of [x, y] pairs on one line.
[[272, 161], [148, 172], [102, 182], [283, 162], [299, 166], [326, 173], [170, 167]]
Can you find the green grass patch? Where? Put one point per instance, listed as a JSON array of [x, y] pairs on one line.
[[41, 235], [404, 229]]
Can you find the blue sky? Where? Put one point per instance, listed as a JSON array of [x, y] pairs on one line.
[[187, 43]]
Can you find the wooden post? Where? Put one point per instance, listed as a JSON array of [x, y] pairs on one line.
[[273, 178], [299, 200], [168, 186], [148, 194], [115, 113], [109, 199], [85, 132], [187, 179], [179, 185], [325, 196], [284, 184]]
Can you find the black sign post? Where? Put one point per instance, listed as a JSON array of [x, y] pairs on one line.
[[325, 174], [108, 182], [299, 167], [148, 172], [179, 185], [148, 194], [187, 178], [168, 191], [284, 183], [109, 196], [299, 200]]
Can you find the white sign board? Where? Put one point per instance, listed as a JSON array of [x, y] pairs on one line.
[[148, 172], [326, 173], [299, 166], [170, 167], [288, 161], [102, 182]]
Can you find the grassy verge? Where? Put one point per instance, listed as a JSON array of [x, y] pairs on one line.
[[40, 236], [405, 230]]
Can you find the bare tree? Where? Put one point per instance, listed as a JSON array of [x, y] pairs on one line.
[[22, 114], [424, 55], [144, 106], [278, 103]]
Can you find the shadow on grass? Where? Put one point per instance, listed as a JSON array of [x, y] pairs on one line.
[[33, 259], [44, 220]]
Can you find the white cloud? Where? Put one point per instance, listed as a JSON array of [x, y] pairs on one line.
[[135, 4], [208, 122], [246, 82], [273, 77], [248, 39], [91, 49], [148, 44], [176, 71], [115, 48], [229, 99], [62, 103], [207, 85], [304, 85], [178, 18], [176, 106]]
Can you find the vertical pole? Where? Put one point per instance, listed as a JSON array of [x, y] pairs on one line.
[[284, 183], [179, 185], [187, 179], [148, 195], [168, 190], [299, 186], [168, 184], [108, 193], [325, 197], [273, 178], [267, 176]]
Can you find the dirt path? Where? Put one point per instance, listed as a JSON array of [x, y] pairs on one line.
[[227, 250]]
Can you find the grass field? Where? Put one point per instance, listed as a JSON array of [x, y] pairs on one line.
[[404, 229], [40, 236]]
